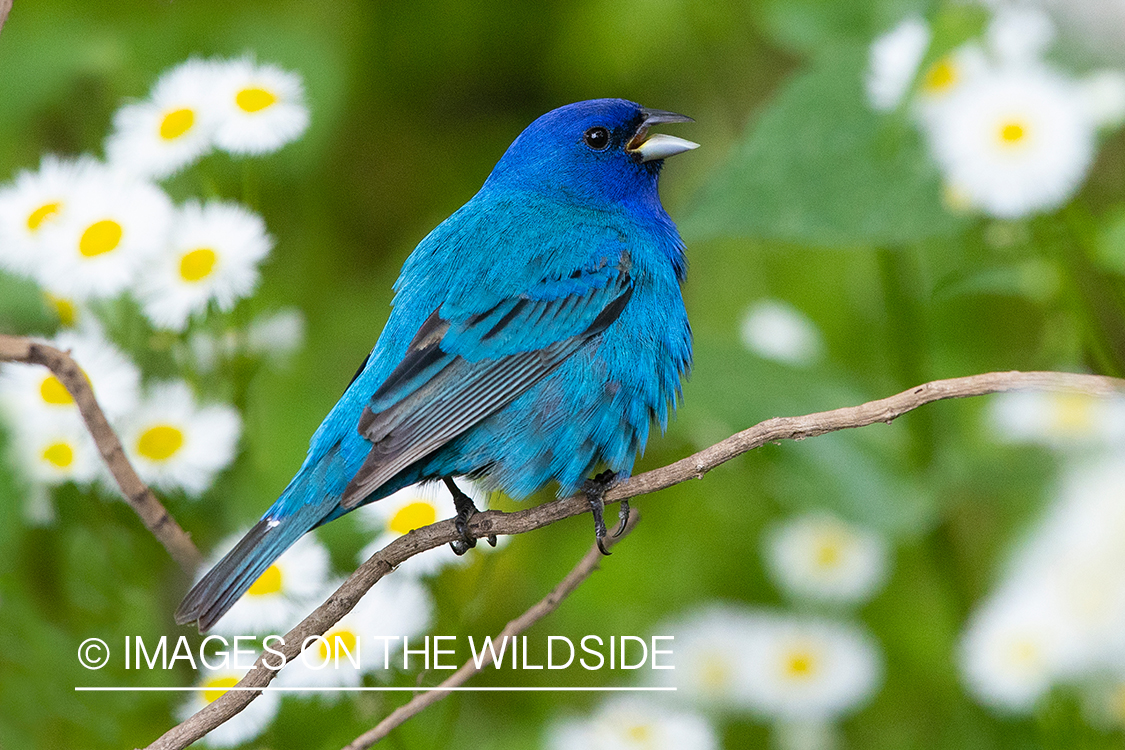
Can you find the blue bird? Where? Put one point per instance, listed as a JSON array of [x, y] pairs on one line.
[[535, 335]]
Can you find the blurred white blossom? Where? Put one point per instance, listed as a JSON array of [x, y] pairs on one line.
[[212, 256], [776, 330], [1059, 420], [261, 107], [893, 62], [1059, 614], [158, 136], [712, 656], [176, 443], [634, 723], [810, 669], [34, 201], [113, 226], [1015, 141], [821, 557]]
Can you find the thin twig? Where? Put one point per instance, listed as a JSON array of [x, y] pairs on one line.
[[5, 7], [545, 606], [692, 467], [154, 516]]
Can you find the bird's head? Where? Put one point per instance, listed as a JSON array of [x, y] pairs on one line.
[[597, 152]]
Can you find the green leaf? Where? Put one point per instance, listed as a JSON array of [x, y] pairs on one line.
[[820, 167]]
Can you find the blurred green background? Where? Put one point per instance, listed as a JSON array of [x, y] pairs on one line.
[[412, 104]]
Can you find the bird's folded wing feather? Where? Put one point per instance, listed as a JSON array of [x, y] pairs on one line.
[[464, 365]]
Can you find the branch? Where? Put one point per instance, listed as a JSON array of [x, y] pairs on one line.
[[137, 494], [5, 6], [692, 467], [548, 604]]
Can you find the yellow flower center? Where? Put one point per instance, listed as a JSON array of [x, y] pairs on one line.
[[254, 99], [54, 392], [59, 454], [800, 664], [198, 264], [330, 648], [941, 76], [714, 672], [100, 238], [412, 516], [160, 442], [269, 582], [217, 687], [176, 123], [1012, 133], [829, 551], [41, 214], [64, 308], [1024, 653], [639, 733], [1073, 413]]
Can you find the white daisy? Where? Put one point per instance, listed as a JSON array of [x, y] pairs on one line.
[[1013, 648], [711, 656], [175, 443], [169, 130], [775, 330], [212, 255], [893, 62], [634, 723], [261, 107], [811, 669], [412, 508], [34, 201], [32, 395], [398, 607], [114, 225], [1016, 141], [821, 557], [1057, 420], [287, 591], [243, 726], [55, 451]]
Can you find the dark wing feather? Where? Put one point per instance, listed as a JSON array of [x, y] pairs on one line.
[[458, 372]]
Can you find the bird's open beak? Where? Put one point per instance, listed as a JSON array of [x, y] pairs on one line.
[[644, 147]]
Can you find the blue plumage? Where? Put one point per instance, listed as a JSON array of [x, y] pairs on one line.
[[535, 334]]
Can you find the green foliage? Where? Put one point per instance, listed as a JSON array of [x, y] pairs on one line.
[[411, 106]]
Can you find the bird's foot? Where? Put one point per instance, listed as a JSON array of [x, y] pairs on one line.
[[595, 490], [466, 509]]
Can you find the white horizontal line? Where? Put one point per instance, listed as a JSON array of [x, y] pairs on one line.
[[424, 689]]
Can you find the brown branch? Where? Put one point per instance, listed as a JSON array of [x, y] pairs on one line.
[[545, 606], [5, 6], [692, 467], [137, 494]]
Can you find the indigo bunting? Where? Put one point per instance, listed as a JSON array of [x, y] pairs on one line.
[[535, 335]]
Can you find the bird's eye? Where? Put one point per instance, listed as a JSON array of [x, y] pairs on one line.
[[597, 138]]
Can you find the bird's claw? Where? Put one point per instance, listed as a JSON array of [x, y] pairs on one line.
[[595, 490], [465, 510], [623, 515]]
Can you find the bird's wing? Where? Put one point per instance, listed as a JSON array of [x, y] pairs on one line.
[[464, 366]]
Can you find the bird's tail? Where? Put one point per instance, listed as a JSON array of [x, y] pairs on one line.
[[224, 584]]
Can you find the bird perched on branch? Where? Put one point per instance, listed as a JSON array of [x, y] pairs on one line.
[[535, 336]]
